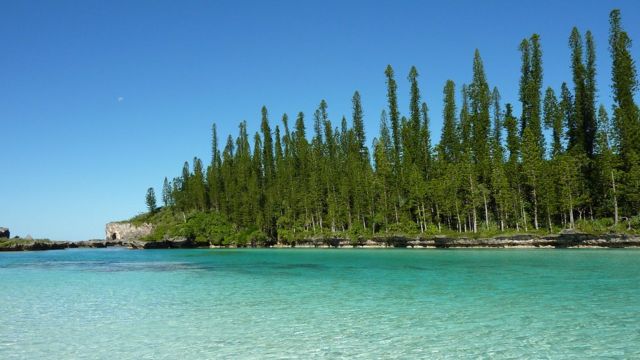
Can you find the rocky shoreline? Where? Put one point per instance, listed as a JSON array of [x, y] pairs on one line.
[[561, 241]]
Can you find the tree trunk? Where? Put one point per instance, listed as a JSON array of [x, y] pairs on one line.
[[486, 211], [475, 221], [395, 207], [571, 220], [458, 217], [535, 209], [473, 206], [615, 199], [524, 217], [424, 217]]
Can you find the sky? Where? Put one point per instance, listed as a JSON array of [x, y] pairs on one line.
[[100, 100]]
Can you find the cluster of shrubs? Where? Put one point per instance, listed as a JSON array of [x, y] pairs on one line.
[[204, 228], [212, 228]]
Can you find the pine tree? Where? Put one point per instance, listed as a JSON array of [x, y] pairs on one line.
[[151, 200], [577, 142], [589, 121], [480, 101], [166, 192], [198, 187], [425, 140], [229, 179], [553, 120], [214, 180], [606, 164], [626, 115], [525, 81], [532, 140], [499, 181], [302, 198], [512, 167], [358, 124], [392, 99], [449, 141], [466, 172], [242, 207], [568, 117], [410, 139], [259, 209], [383, 152], [269, 165], [286, 187]]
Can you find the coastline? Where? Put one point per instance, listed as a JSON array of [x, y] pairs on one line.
[[522, 241]]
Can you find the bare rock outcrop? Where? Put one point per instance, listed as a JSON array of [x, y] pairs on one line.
[[126, 231]]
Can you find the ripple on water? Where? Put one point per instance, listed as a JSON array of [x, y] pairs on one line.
[[194, 304]]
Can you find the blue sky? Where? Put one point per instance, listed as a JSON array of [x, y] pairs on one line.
[[101, 99]]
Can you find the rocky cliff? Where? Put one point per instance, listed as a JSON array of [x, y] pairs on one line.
[[126, 231]]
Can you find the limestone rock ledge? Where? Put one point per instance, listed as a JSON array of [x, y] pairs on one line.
[[564, 240], [561, 241], [126, 231]]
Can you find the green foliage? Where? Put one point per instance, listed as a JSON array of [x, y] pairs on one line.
[[150, 200], [204, 228], [283, 186]]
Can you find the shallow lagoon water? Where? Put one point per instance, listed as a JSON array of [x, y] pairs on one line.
[[312, 303]]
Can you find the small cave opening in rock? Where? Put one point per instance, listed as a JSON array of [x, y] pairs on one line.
[[113, 236]]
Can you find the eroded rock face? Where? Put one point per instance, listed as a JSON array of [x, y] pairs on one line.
[[4, 233], [126, 231]]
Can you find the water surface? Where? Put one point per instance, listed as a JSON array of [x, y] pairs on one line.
[[311, 303]]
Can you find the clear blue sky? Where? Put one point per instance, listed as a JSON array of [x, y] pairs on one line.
[[101, 99]]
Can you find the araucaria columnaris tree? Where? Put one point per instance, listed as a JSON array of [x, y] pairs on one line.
[[490, 171]]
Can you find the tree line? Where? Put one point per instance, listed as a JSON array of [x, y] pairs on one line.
[[491, 170]]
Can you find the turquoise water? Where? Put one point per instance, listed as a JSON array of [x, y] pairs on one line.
[[297, 303]]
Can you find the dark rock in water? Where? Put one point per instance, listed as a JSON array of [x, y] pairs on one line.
[[333, 242], [26, 245], [171, 243], [397, 241], [49, 245], [4, 233], [92, 243]]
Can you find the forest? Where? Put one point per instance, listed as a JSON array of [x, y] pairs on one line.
[[491, 172]]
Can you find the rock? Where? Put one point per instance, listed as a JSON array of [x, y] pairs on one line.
[[30, 245], [4, 233], [48, 245], [126, 231], [170, 243], [94, 244]]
